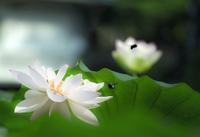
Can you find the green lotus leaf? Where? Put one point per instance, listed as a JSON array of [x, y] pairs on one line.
[[139, 107]]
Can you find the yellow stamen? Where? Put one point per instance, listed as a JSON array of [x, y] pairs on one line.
[[56, 89]]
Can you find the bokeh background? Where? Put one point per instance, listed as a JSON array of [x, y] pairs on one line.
[[56, 32], [64, 31]]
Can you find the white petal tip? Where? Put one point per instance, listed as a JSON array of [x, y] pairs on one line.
[[92, 121], [18, 110], [100, 85], [96, 123], [109, 97], [103, 99]]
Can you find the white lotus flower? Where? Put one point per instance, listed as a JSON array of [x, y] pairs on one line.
[[49, 92], [136, 56]]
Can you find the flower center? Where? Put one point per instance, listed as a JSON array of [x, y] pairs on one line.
[[57, 89]]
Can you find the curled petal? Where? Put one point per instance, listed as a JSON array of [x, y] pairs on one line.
[[33, 93], [90, 104], [38, 78], [24, 79], [80, 95], [39, 68], [95, 102], [102, 99], [83, 114], [62, 108], [52, 108], [61, 74], [40, 111], [91, 86], [72, 82], [30, 104], [51, 74]]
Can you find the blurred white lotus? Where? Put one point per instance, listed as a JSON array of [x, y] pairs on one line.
[[136, 56], [49, 92]]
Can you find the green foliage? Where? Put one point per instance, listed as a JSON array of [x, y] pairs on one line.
[[155, 8], [140, 107]]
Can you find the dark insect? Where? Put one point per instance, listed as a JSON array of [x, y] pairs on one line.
[[111, 86], [133, 46]]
